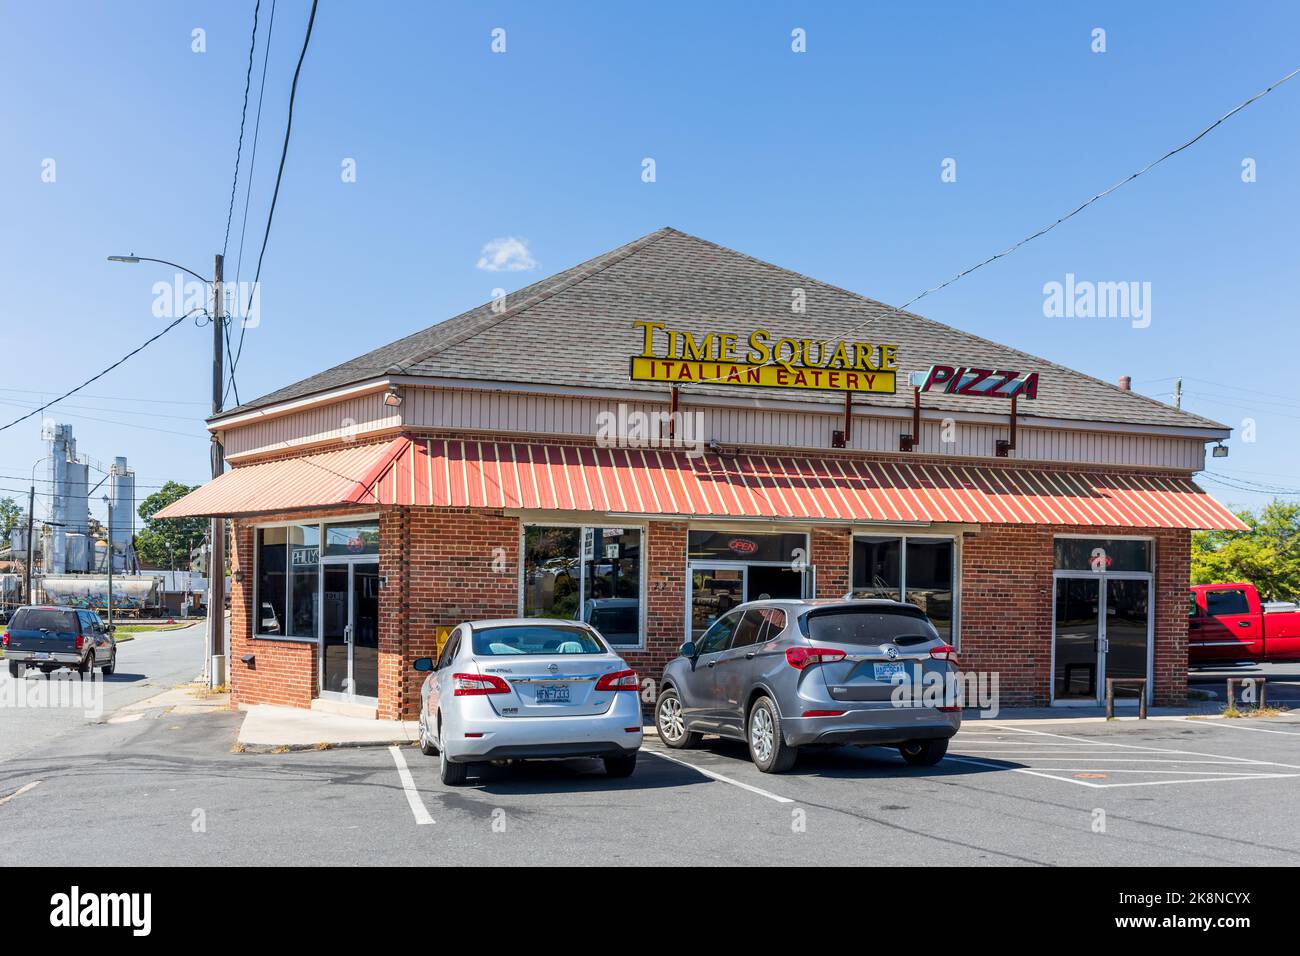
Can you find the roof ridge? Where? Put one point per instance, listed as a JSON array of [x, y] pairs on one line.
[[951, 328], [598, 265]]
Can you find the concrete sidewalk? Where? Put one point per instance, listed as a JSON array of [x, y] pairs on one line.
[[267, 727]]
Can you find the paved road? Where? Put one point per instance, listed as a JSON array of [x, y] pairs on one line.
[[167, 789], [146, 665], [1283, 681]]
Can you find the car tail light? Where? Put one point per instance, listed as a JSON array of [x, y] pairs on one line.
[[631, 730], [823, 713], [945, 652], [618, 680], [953, 709], [474, 685], [801, 657], [81, 642], [4, 641]]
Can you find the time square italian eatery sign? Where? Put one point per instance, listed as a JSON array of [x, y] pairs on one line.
[[762, 361]]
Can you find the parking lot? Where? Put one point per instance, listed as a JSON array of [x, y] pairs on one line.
[[167, 789]]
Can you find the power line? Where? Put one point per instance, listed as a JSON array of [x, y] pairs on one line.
[[136, 350], [284, 153], [1070, 215], [110, 398], [243, 113]]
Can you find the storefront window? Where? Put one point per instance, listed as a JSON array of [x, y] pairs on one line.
[[917, 570], [1102, 554], [877, 568], [304, 579], [587, 574], [272, 560], [734, 546], [348, 540]]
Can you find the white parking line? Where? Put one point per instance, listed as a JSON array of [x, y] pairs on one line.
[[1222, 724], [1154, 750], [723, 779], [408, 785], [20, 791]]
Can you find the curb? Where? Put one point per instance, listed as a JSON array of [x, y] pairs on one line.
[[318, 747]]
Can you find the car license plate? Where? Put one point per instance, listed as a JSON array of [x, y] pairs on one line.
[[41, 656], [887, 671], [553, 693]]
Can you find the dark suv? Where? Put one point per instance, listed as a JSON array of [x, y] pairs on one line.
[[51, 637]]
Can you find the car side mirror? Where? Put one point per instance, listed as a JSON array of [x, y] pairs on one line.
[[110, 628], [688, 649], [423, 664]]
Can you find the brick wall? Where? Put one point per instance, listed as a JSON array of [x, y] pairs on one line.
[[1006, 608], [282, 672], [830, 551], [665, 598]]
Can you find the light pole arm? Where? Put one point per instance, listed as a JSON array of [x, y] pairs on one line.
[[174, 265]]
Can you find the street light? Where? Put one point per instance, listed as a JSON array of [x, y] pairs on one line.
[[216, 621]]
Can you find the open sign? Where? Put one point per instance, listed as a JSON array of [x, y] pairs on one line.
[[742, 546]]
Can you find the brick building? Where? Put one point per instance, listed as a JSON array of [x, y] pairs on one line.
[[672, 428]]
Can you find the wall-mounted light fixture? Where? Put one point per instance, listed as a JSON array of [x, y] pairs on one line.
[[1220, 450], [393, 397], [239, 575]]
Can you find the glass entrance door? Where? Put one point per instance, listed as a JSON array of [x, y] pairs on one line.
[[1102, 629], [715, 590], [1078, 639], [350, 630]]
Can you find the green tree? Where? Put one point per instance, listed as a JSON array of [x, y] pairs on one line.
[[164, 540], [1267, 555], [10, 512]]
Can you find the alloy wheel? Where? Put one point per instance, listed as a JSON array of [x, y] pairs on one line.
[[670, 718], [761, 733]]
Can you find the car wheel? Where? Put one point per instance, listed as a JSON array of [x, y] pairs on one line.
[[451, 774], [923, 753], [17, 668], [620, 766], [111, 665], [767, 746], [671, 723], [427, 746], [87, 665]]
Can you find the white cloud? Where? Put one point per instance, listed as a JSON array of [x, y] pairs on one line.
[[506, 254]]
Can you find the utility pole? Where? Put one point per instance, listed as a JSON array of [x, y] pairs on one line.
[[1178, 393], [31, 514], [217, 560], [109, 559]]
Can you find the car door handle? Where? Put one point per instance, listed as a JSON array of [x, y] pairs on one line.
[[1243, 623], [751, 655]]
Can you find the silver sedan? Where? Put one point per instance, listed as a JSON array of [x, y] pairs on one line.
[[528, 689]]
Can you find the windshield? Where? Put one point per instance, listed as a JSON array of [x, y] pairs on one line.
[[535, 639], [871, 627], [44, 619]]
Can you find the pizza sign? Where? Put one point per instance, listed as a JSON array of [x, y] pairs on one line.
[[984, 382]]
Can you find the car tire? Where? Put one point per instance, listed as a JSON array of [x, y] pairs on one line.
[[451, 774], [923, 753], [111, 665], [427, 746], [620, 766], [17, 669], [671, 724], [767, 746], [87, 665]]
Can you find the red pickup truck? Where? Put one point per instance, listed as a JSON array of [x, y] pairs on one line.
[[1226, 624]]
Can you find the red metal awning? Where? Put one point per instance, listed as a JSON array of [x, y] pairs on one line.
[[332, 478], [466, 474]]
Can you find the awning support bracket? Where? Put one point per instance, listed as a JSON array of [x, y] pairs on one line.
[[910, 442], [1003, 446], [841, 437]]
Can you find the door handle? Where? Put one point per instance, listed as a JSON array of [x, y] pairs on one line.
[[1243, 623], [751, 655], [711, 663]]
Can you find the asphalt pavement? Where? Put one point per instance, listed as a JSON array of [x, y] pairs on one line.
[[168, 789]]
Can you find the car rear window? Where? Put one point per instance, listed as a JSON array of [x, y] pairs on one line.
[[46, 619], [528, 639], [869, 627]]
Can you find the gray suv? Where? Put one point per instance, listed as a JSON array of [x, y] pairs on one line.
[[782, 675]]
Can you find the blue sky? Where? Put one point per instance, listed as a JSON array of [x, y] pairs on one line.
[[826, 162]]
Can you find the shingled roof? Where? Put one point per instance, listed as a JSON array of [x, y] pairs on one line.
[[575, 329]]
